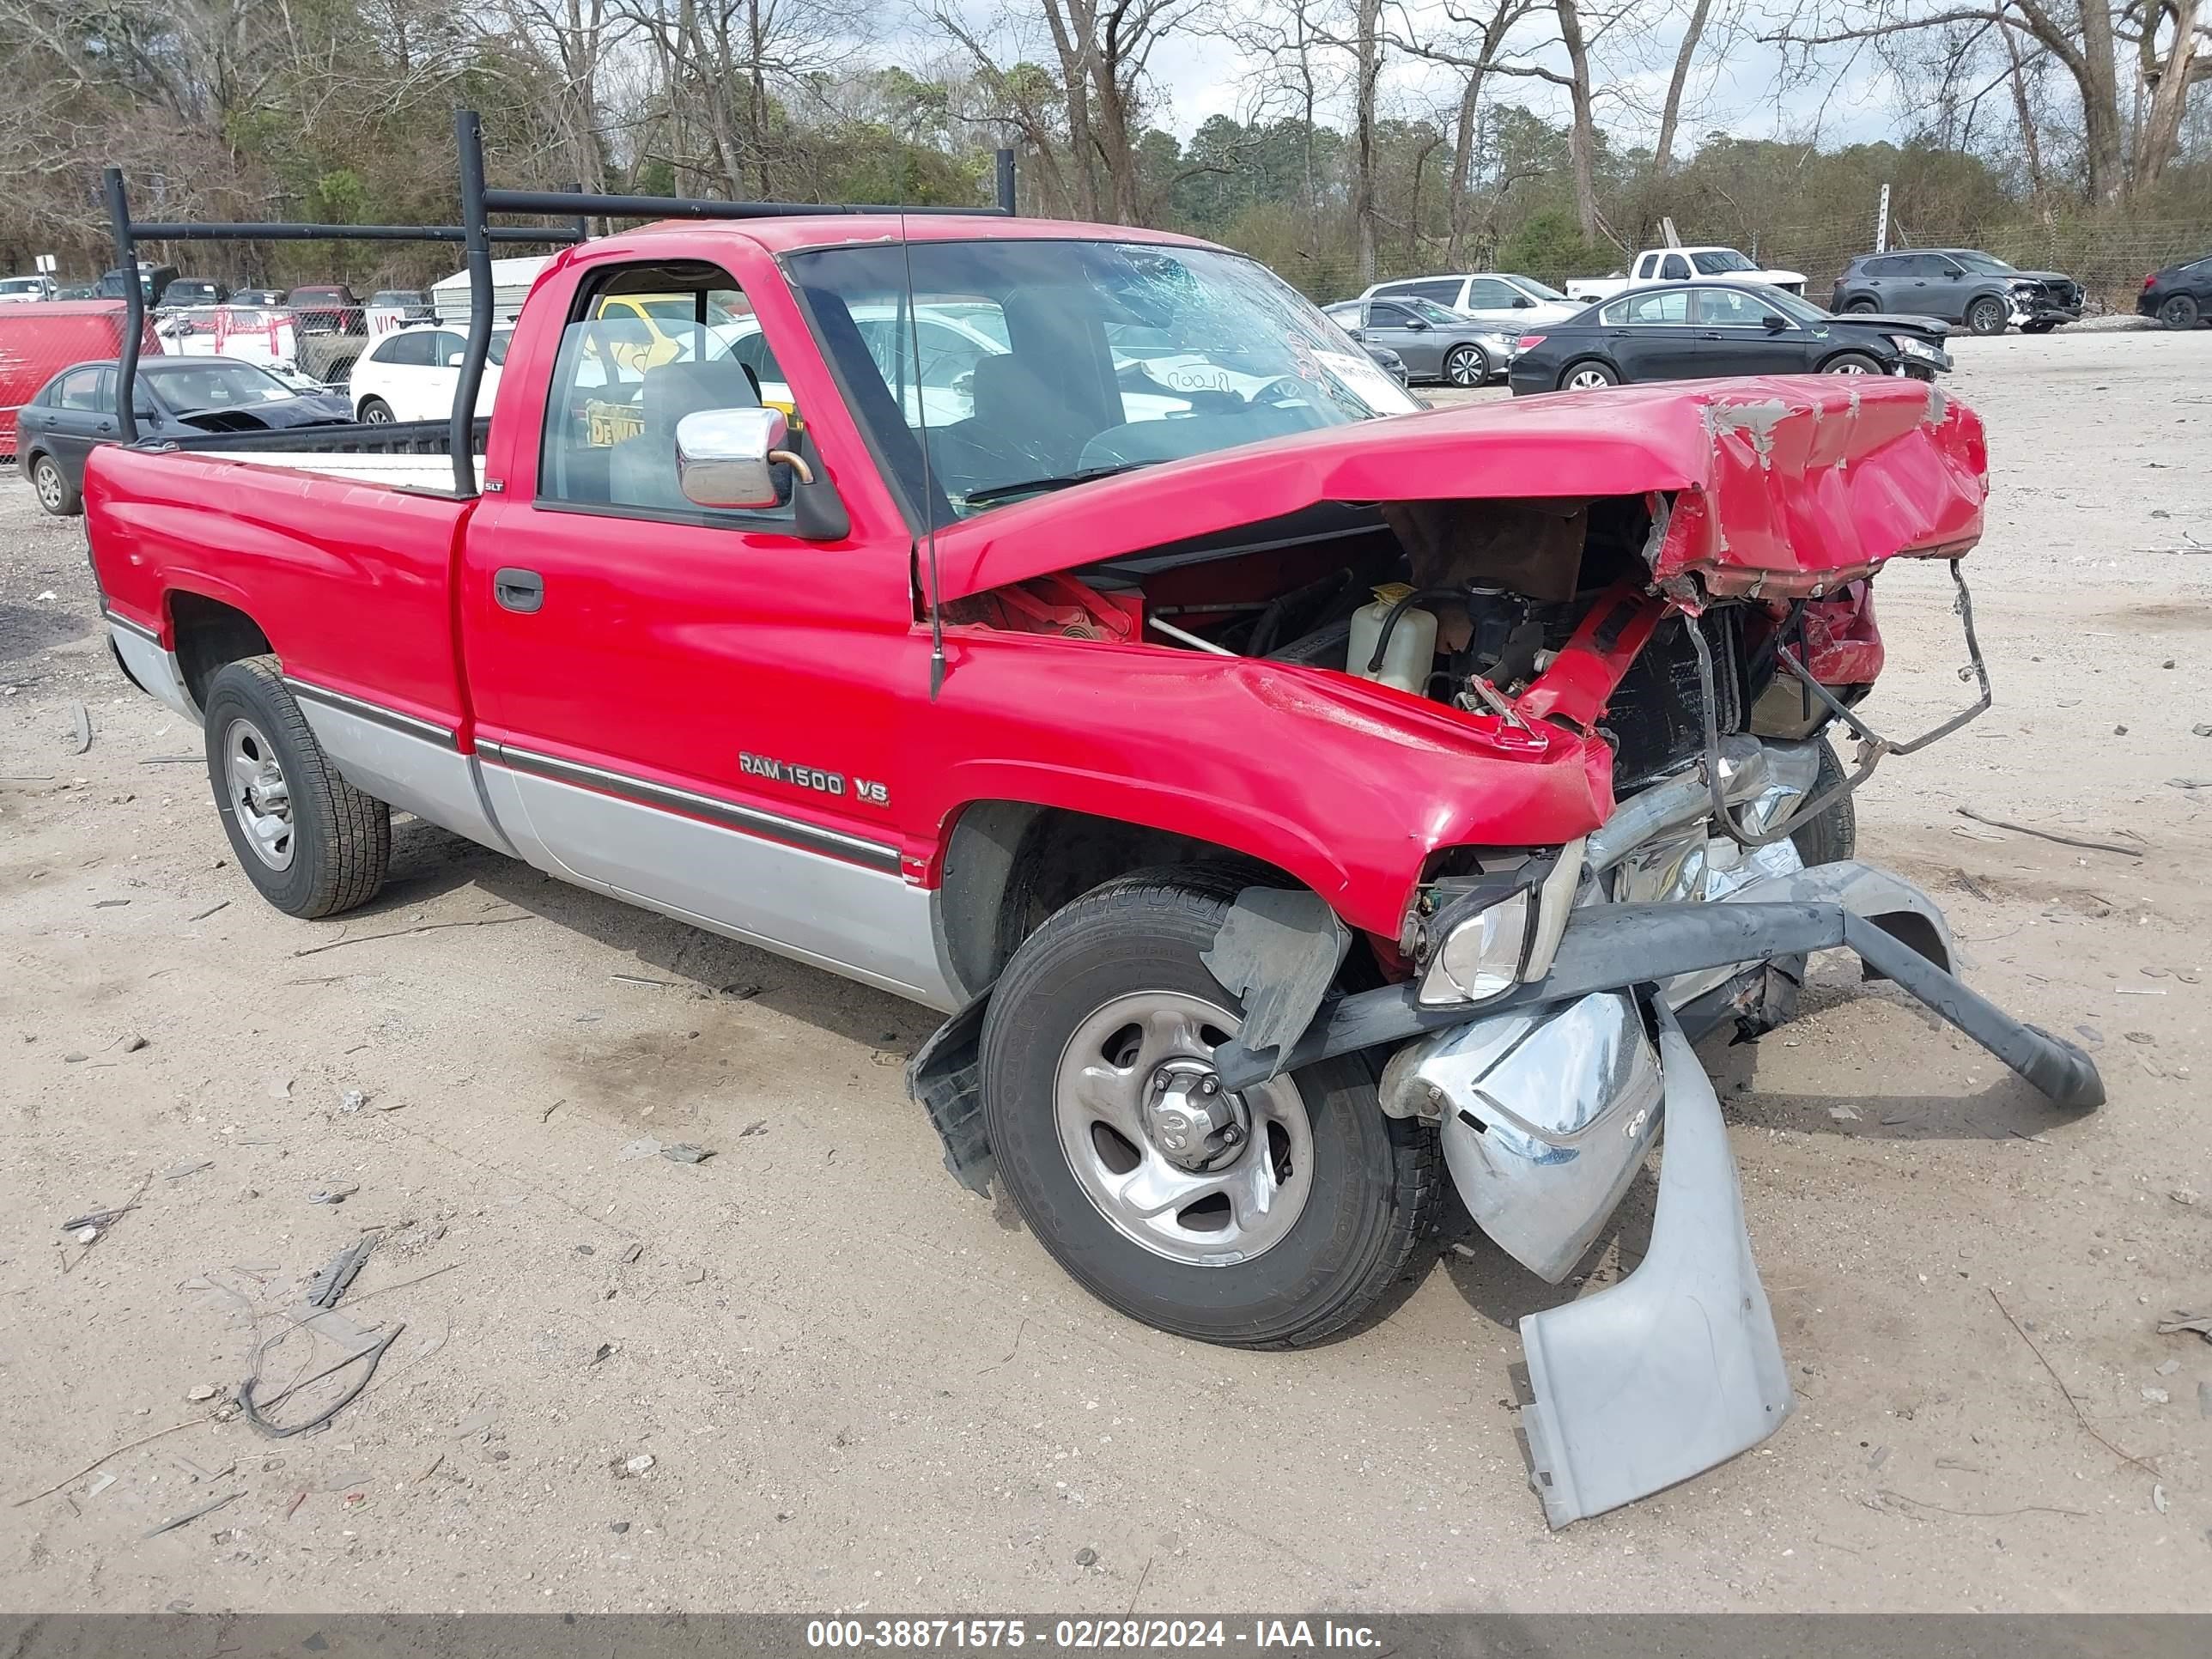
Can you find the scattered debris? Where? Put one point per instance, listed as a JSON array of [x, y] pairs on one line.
[[337, 1195], [758, 1126], [90, 1226], [190, 1166], [81, 720], [2089, 1033], [204, 1392], [100, 1486], [2200, 1323], [2143, 1037], [1845, 1114], [2051, 835], [605, 1350], [352, 1101], [2185, 1196], [639, 979], [584, 1249], [133, 1043], [190, 1516], [2169, 1368], [366, 1350], [695, 1275], [110, 904], [1086, 1557], [337, 1273], [401, 933], [475, 1423], [633, 1253], [639, 1464], [2079, 1416], [279, 1088], [2204, 1399], [617, 1526], [683, 1152], [75, 1057], [220, 905], [2157, 1397], [2201, 731], [2158, 1498]]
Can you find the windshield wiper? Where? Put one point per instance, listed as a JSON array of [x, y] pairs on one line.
[[991, 493]]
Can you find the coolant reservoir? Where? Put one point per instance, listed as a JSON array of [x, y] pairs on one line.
[[1412, 649]]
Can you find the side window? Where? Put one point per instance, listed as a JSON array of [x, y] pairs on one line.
[[1614, 314], [81, 390], [752, 351], [1647, 268], [410, 351], [1724, 307], [1676, 270], [1444, 290], [447, 348], [652, 344], [1389, 316], [1488, 294], [1672, 306]]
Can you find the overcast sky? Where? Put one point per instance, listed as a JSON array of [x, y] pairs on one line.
[[1199, 76]]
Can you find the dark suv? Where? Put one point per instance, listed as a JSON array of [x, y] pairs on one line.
[[1960, 285], [2179, 295]]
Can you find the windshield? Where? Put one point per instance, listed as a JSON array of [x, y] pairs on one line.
[[1541, 290], [675, 308], [1430, 311], [1797, 310], [1115, 354], [1720, 260], [213, 386], [1986, 263]]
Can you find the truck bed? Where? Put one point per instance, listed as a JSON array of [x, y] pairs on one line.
[[405, 455]]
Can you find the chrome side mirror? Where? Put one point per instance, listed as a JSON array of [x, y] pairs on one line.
[[727, 457]]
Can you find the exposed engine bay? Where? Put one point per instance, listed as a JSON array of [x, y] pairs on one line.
[[1467, 603]]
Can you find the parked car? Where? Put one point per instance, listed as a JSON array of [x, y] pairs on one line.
[[17, 288], [77, 291], [1488, 295], [2179, 297], [260, 299], [1684, 264], [412, 374], [195, 291], [1690, 331], [327, 308], [153, 283], [75, 412], [1436, 342], [1960, 285], [1256, 904], [1389, 362], [412, 305], [36, 340]]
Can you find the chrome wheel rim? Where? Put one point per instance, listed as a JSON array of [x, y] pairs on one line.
[[254, 785], [376, 414], [1175, 1164], [1847, 369], [1984, 318], [49, 481], [1586, 379], [1465, 367]]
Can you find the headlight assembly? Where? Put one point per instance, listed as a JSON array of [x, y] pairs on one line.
[[1481, 956]]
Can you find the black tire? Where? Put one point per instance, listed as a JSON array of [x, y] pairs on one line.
[[1987, 315], [56, 494], [1850, 363], [2179, 311], [1466, 365], [1375, 1181], [1861, 308], [1603, 374], [340, 841], [1835, 834], [374, 411], [2037, 328]]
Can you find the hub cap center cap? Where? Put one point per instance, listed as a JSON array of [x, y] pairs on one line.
[[1194, 1122]]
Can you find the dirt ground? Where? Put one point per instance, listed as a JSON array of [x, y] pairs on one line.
[[861, 1389]]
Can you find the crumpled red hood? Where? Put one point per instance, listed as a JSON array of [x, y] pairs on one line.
[[1783, 484]]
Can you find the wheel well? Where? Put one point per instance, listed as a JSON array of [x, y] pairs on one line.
[[1577, 362], [209, 634], [1011, 864]]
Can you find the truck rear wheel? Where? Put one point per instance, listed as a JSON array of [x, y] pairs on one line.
[[1267, 1218], [308, 841]]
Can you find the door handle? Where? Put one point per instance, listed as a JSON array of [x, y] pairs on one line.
[[107, 426], [517, 590]]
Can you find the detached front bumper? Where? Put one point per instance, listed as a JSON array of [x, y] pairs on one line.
[[1548, 1100]]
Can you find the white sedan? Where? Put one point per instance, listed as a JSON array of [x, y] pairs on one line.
[[413, 371]]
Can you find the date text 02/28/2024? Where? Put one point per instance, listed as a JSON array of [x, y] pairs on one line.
[[1072, 1635]]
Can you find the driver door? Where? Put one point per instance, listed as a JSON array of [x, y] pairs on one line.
[[1737, 332], [1391, 325]]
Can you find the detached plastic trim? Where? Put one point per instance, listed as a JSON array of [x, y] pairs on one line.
[[1677, 1368]]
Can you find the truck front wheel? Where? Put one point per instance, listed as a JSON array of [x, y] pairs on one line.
[[1267, 1218], [308, 841]]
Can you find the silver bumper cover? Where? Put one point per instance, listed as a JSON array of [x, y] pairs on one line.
[[1677, 1367]]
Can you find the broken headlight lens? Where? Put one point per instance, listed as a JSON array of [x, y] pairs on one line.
[[1913, 347], [1482, 956]]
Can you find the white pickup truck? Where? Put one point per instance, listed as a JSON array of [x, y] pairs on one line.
[[1681, 265]]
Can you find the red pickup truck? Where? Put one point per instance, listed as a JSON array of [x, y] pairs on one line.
[[1292, 799]]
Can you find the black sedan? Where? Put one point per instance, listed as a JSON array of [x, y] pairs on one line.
[[2179, 297], [1689, 331], [1437, 343], [75, 411]]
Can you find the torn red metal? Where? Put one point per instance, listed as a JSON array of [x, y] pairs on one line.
[[1785, 486]]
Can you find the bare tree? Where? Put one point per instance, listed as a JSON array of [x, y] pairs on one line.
[[1473, 42]]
